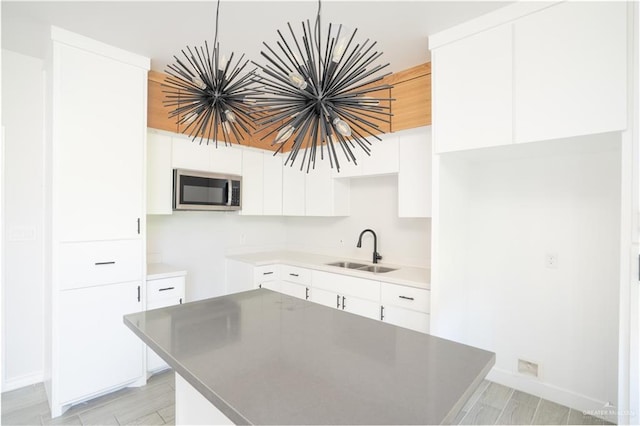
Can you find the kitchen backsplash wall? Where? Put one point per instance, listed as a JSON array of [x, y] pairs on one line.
[[374, 205], [199, 241]]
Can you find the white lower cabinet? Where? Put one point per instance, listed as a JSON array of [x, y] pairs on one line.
[[356, 295], [405, 306], [267, 276], [163, 292], [97, 352], [395, 304], [295, 281]]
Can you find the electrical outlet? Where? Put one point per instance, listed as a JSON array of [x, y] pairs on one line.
[[527, 367], [551, 260]]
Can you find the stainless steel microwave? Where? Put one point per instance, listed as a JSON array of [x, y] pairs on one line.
[[194, 190]]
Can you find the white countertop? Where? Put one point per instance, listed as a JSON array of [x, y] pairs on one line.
[[156, 271], [404, 275]]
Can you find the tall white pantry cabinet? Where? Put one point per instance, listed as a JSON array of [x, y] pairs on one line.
[[96, 133]]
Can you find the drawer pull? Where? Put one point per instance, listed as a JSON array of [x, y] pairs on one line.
[[181, 300], [343, 306], [166, 288], [406, 297], [138, 293], [267, 273], [338, 301], [381, 313], [294, 275], [105, 263], [306, 294]]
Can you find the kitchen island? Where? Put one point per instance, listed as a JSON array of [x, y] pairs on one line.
[[261, 357]]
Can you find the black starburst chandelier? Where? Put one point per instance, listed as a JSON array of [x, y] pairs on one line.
[[316, 94], [209, 95]]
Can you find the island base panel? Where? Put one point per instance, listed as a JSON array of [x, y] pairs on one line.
[[194, 409]]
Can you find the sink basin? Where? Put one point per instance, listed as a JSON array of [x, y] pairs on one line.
[[348, 265], [376, 269]]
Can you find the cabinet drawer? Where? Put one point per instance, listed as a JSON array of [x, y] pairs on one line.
[[165, 288], [96, 263], [347, 286], [406, 297], [295, 274], [266, 273]]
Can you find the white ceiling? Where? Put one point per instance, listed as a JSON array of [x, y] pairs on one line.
[[160, 29]]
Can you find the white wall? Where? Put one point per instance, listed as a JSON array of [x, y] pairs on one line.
[[199, 241], [500, 215], [374, 204], [23, 288]]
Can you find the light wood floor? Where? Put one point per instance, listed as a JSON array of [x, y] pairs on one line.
[[153, 404]]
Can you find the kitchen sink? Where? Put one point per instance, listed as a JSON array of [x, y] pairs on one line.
[[376, 269], [348, 265]]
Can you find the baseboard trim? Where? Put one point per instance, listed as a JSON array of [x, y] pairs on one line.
[[555, 394], [22, 381]]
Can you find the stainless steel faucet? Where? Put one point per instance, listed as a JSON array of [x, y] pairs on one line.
[[376, 255]]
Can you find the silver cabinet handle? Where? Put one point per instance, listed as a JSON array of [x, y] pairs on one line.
[[166, 288], [338, 301], [294, 275], [343, 306], [267, 273], [381, 313], [406, 297], [105, 263]]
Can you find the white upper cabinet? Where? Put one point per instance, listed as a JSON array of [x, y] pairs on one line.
[[571, 71], [272, 202], [252, 182], [261, 183], [530, 72], [325, 196], [315, 193], [383, 159], [193, 155], [414, 176], [472, 91], [99, 146], [159, 173], [293, 190]]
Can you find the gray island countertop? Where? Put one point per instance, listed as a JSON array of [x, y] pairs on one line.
[[263, 357]]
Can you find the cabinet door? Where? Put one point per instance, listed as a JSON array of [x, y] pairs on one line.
[[382, 161], [326, 298], [159, 173], [99, 142], [96, 350], [324, 195], [319, 189], [418, 321], [295, 290], [362, 307], [272, 195], [293, 190], [190, 155], [414, 176], [252, 183], [472, 91], [226, 159], [571, 77]]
